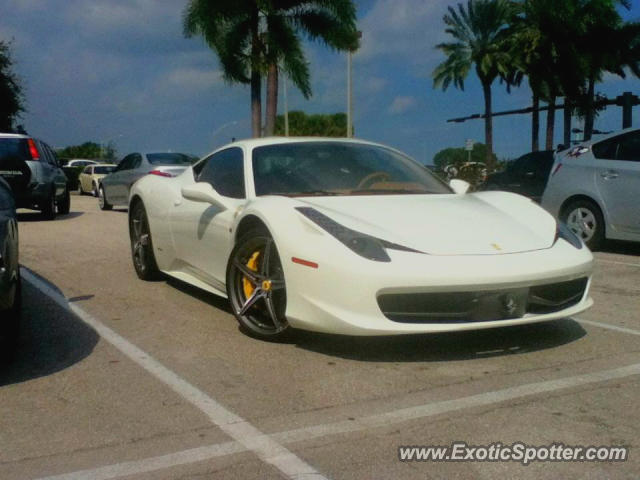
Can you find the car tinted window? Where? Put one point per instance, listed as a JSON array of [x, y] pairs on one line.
[[14, 148], [87, 170], [225, 172], [607, 149], [126, 163], [137, 160], [103, 169], [629, 147]]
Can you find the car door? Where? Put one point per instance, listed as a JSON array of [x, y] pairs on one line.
[[201, 231], [617, 176], [85, 179], [114, 184]]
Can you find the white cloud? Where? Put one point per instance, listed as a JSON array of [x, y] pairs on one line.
[[401, 105], [405, 28]]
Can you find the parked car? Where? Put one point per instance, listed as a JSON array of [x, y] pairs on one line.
[[10, 287], [33, 171], [90, 177], [80, 162], [527, 175], [356, 238], [114, 188], [594, 188]]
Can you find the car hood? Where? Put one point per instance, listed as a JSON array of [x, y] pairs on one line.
[[486, 223]]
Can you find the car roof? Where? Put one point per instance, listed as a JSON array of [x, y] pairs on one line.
[[13, 135], [259, 142], [609, 135]]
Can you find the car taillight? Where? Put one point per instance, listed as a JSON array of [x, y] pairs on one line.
[[33, 150], [160, 173]]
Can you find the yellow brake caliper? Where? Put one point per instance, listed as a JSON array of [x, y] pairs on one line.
[[247, 286]]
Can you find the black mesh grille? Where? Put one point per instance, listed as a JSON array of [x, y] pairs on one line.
[[463, 307]]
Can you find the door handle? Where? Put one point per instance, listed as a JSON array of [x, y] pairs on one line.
[[609, 174]]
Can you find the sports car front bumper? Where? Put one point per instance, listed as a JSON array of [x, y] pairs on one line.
[[417, 293]]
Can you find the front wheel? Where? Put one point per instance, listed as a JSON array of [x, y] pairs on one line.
[[585, 219], [256, 286], [102, 200]]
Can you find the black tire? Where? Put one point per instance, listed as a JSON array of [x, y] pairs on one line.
[[64, 204], [585, 219], [49, 207], [144, 260], [80, 191], [257, 290], [102, 200], [10, 323]]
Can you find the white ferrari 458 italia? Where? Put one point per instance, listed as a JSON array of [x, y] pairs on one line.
[[352, 237]]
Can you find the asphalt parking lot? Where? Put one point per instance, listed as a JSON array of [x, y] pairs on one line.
[[118, 378]]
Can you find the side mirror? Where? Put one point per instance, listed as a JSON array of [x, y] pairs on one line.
[[460, 187], [203, 192]]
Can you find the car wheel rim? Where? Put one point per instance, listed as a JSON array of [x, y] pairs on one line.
[[140, 239], [258, 294], [583, 223]]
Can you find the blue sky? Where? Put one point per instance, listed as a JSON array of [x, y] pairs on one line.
[[121, 71]]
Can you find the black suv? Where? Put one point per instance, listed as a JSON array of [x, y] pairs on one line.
[[527, 175], [33, 171]]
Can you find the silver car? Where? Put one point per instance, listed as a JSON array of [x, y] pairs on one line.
[[114, 188], [593, 188]]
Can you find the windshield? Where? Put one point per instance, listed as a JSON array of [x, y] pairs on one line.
[[106, 169], [169, 159], [339, 168]]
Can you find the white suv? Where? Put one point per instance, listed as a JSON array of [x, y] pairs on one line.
[[594, 188]]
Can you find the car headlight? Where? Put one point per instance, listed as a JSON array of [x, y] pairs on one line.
[[566, 234], [366, 246]]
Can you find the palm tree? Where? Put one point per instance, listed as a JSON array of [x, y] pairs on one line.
[[332, 22], [252, 37], [479, 33]]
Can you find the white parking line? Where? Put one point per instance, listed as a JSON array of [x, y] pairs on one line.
[[264, 446], [618, 263], [355, 425], [608, 326]]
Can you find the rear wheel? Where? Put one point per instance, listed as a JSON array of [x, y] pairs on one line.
[[256, 287], [49, 206], [80, 191], [585, 219], [144, 260], [102, 200], [95, 190], [64, 204]]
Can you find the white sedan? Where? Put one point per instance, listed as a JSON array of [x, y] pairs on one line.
[[352, 237]]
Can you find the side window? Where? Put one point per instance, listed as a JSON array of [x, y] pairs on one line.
[[225, 172], [607, 149], [136, 160], [126, 163], [629, 148], [87, 170]]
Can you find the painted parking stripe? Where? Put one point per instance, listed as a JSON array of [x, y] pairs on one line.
[[608, 326], [264, 446], [356, 425]]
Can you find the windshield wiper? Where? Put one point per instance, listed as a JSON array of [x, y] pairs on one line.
[[310, 193], [388, 191]]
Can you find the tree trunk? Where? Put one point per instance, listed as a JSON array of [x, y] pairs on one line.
[[535, 123], [488, 126], [551, 123], [256, 79], [590, 114], [272, 100], [567, 123]]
